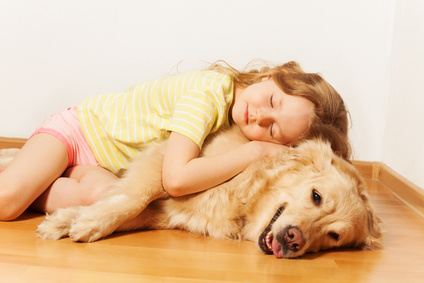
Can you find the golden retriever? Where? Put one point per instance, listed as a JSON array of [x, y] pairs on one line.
[[304, 200]]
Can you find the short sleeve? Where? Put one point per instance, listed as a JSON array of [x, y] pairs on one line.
[[195, 115]]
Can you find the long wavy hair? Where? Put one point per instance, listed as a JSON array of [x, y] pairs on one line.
[[331, 117]]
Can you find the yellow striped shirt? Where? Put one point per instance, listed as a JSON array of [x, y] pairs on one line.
[[117, 126]]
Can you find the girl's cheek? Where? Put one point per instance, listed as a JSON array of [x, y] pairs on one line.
[[247, 133], [256, 133]]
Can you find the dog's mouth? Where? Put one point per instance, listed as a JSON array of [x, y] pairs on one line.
[[267, 243]]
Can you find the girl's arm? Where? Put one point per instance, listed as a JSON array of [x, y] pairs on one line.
[[184, 173]]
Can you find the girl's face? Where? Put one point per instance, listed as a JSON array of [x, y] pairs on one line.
[[264, 112]]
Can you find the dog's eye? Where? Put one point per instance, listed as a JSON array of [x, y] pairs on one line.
[[316, 197], [334, 235]]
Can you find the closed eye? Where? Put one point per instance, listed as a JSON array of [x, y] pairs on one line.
[[272, 106]]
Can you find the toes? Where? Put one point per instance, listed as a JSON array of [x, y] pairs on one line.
[[57, 225], [78, 223], [84, 236], [84, 230], [50, 232]]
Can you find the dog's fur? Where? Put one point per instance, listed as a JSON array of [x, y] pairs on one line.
[[304, 200]]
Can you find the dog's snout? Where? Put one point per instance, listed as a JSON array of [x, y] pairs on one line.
[[294, 239]]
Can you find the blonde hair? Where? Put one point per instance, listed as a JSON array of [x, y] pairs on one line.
[[331, 117]]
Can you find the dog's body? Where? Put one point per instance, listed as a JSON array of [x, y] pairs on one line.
[[304, 200]]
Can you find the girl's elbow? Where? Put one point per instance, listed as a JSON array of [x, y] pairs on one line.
[[173, 187]]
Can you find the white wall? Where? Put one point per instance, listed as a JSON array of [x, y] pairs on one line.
[[54, 53], [403, 146]]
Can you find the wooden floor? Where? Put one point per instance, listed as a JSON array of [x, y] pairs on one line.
[[175, 256]]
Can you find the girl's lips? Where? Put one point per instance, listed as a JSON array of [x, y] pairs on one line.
[[246, 115]]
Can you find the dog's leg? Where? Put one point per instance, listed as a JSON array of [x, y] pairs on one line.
[[131, 194], [57, 224], [128, 197], [104, 217], [90, 223], [153, 217]]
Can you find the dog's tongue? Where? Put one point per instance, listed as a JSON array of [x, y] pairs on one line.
[[276, 248]]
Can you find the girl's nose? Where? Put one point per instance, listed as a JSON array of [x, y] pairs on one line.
[[263, 118]]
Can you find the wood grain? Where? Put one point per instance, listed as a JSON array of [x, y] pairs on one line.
[[176, 256]]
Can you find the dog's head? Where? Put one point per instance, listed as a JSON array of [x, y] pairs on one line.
[[318, 202]]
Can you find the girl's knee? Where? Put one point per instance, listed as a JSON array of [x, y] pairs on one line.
[[9, 208], [92, 182], [95, 194]]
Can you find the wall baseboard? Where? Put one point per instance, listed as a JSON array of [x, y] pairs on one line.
[[403, 189], [399, 186], [369, 170], [12, 142]]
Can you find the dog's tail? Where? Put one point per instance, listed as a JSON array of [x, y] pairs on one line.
[[6, 156]]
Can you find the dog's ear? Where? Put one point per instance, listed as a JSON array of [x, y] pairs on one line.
[[316, 153], [373, 240], [372, 243]]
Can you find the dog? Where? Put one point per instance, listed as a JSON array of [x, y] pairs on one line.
[[305, 199]]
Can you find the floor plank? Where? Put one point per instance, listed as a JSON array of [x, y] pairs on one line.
[[176, 256]]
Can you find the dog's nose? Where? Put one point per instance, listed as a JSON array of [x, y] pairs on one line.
[[294, 239]]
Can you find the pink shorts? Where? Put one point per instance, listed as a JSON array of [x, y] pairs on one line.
[[66, 126]]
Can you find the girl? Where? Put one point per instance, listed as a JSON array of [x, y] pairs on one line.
[[75, 155]]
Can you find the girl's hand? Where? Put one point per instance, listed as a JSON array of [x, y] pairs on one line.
[[266, 149]]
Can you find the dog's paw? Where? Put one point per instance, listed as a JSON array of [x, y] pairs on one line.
[[56, 225], [86, 229]]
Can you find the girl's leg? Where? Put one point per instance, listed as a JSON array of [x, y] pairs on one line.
[[40, 162], [79, 185]]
